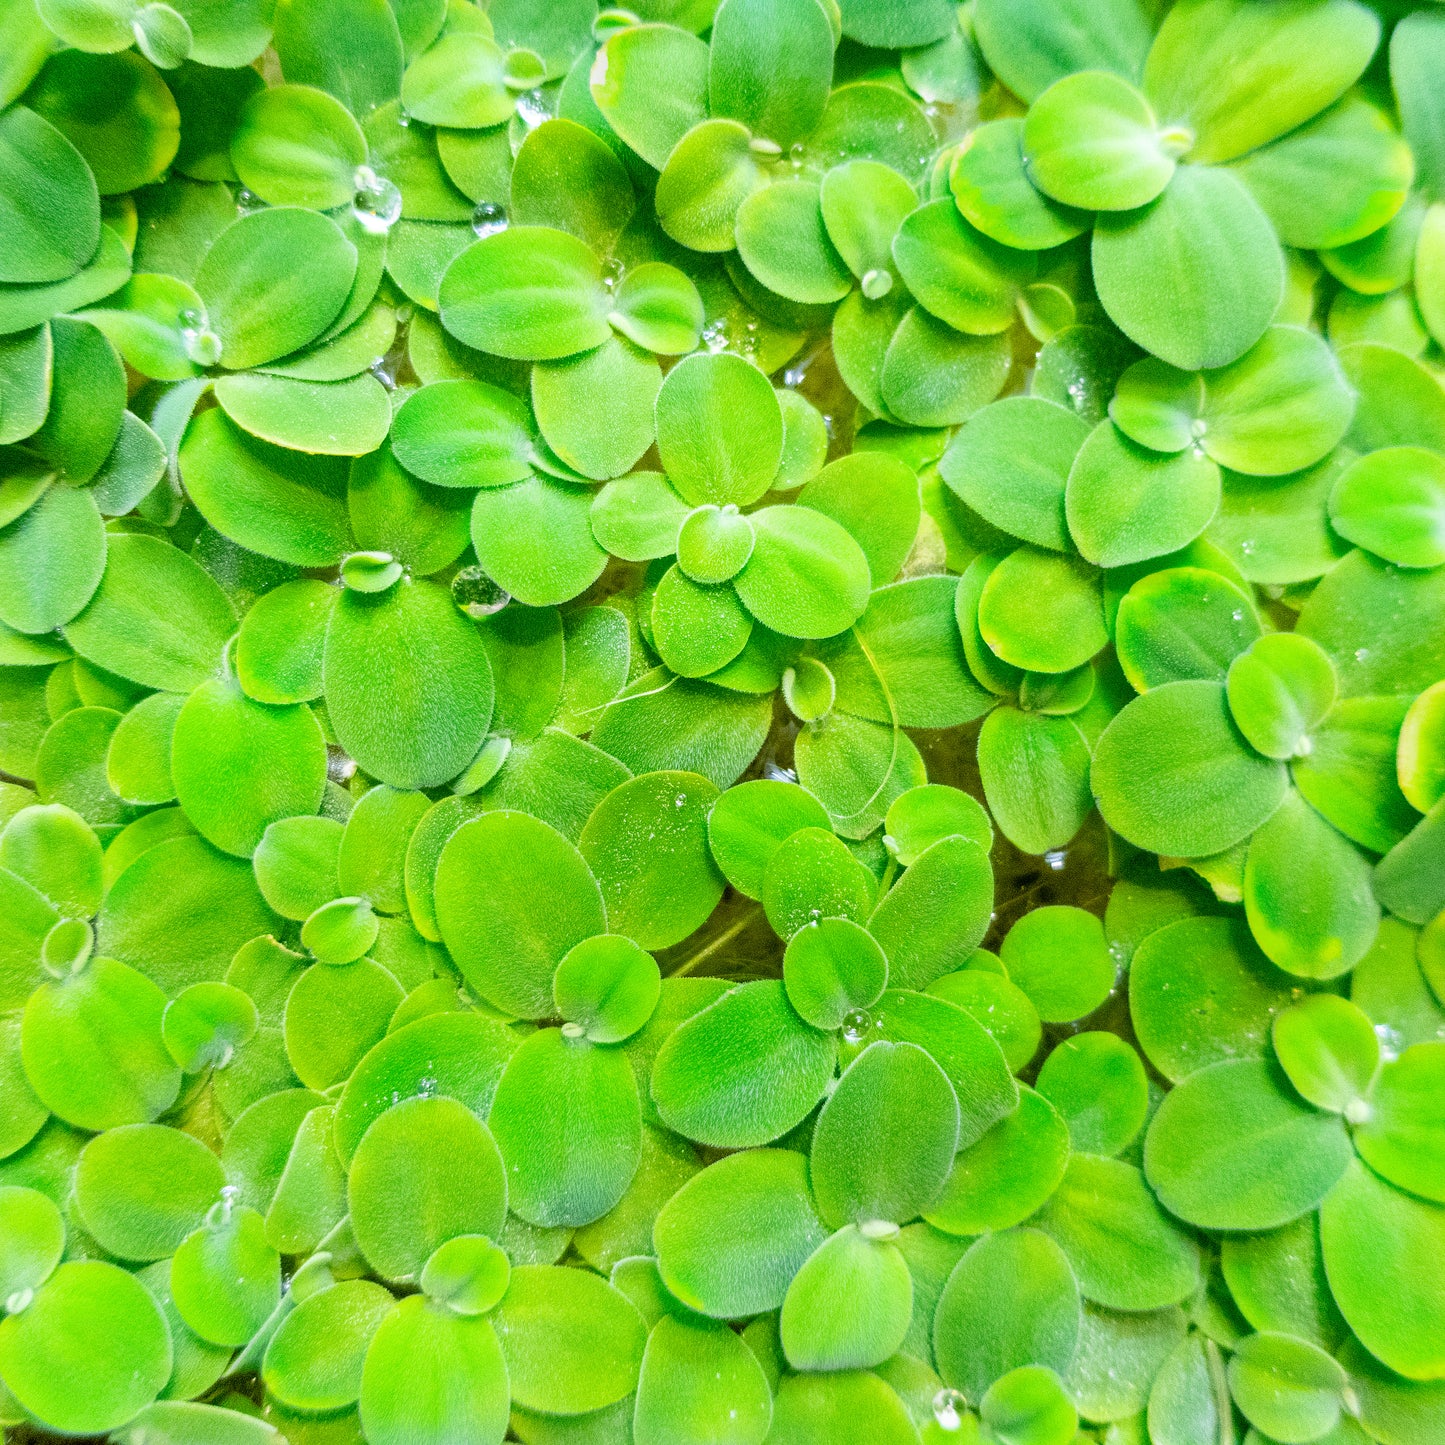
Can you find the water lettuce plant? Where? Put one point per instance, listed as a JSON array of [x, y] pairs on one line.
[[722, 723]]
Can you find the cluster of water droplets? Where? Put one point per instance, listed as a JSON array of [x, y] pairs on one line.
[[376, 203]]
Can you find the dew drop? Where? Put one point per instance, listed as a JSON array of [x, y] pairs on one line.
[[612, 270], [1358, 1111], [856, 1023], [715, 334], [1247, 547], [202, 345], [377, 202], [947, 1408], [532, 109], [248, 201], [877, 283], [1238, 614], [1361, 653], [1198, 427], [18, 1301], [1056, 858], [774, 774], [489, 218]]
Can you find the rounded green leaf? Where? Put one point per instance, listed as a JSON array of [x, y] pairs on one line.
[[425, 1172], [1042, 611], [225, 1277], [92, 1049], [297, 146], [608, 986], [1378, 1243], [1279, 691], [464, 434], [1392, 502], [1126, 504], [990, 182], [885, 1139], [1399, 1137], [806, 577], [743, 1071], [434, 1369], [1011, 1300], [314, 1360], [719, 429], [528, 292], [34, 1239], [1058, 956], [1171, 774], [1097, 1083], [90, 1350], [567, 1118], [749, 822], [257, 301], [700, 1378], [1307, 893], [1330, 1051], [731, 1239], [1287, 1386], [141, 1189], [412, 646], [782, 240], [572, 1343], [831, 967], [1182, 624], [542, 901], [1195, 278], [49, 208], [240, 765], [1230, 1148], [1091, 140], [596, 410]]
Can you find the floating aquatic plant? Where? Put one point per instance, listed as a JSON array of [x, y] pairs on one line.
[[722, 722]]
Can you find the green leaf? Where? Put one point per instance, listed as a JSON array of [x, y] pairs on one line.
[[1238, 77], [1329, 1049], [256, 301], [464, 434], [225, 1277], [1035, 773], [54, 851], [731, 1239], [650, 821], [314, 1360], [719, 429], [596, 410], [832, 967], [991, 184], [699, 1378], [1182, 624], [885, 1139], [1028, 1406], [1286, 1386], [1058, 956], [958, 274], [89, 1352], [1092, 141], [458, 81], [1097, 1083], [426, 1171], [852, 1407], [333, 418], [180, 912], [70, 1074], [240, 765], [143, 1188], [528, 292], [1279, 691], [849, 1305], [350, 47], [1126, 504], [1125, 1251], [565, 176], [743, 1071], [1196, 277], [449, 1055], [1230, 1149], [1011, 1300], [650, 83], [812, 876], [435, 1369], [782, 240], [1030, 46], [1377, 1241], [412, 646], [509, 954], [1307, 894], [1416, 50], [657, 307], [567, 1118], [1399, 1138], [34, 1239], [51, 560], [1170, 773], [1042, 611], [572, 1343], [535, 539], [748, 823], [49, 208], [298, 146], [608, 987], [1392, 502], [779, 89]]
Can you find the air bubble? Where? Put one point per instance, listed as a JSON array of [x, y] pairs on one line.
[[856, 1023], [488, 219], [377, 202], [1056, 858], [1391, 1042], [18, 1301], [948, 1408], [532, 109], [202, 345], [248, 201], [774, 774], [1361, 653], [612, 270]]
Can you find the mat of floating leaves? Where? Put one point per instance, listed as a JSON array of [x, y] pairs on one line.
[[722, 724]]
